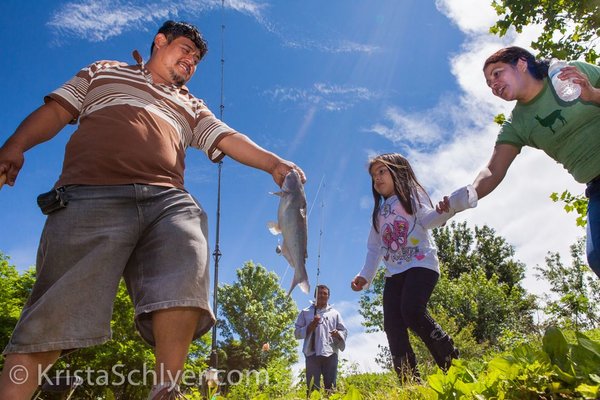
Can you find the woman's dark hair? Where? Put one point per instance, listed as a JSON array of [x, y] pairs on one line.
[[511, 55], [172, 30], [405, 181]]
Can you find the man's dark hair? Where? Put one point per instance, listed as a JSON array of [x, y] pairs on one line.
[[323, 287], [172, 30]]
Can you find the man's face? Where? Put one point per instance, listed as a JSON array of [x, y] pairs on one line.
[[322, 297], [177, 60]]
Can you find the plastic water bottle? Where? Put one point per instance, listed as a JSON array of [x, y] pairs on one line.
[[566, 90]]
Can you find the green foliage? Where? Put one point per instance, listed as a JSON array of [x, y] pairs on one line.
[[371, 303], [574, 301], [570, 28], [274, 381], [255, 310], [14, 291], [551, 368], [378, 386], [573, 203], [555, 370], [458, 382], [500, 119], [462, 249], [463, 338], [488, 305]]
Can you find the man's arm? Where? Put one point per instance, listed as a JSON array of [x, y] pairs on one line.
[[41, 125], [300, 326], [242, 149], [491, 176]]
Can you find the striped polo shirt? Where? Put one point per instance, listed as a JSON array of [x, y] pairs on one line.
[[132, 130]]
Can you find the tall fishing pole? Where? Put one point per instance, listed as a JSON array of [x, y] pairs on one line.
[[312, 339], [319, 256], [217, 253], [319, 248]]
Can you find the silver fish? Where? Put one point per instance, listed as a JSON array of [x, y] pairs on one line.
[[292, 226]]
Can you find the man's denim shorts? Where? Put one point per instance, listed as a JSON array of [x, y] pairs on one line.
[[155, 237]]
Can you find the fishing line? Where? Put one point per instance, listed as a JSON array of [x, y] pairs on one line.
[[316, 197]]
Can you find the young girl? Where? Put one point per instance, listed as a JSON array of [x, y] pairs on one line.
[[402, 215]]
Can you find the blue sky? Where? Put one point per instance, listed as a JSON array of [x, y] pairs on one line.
[[324, 84]]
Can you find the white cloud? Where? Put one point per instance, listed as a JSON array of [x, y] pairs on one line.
[[328, 46], [99, 20], [411, 129], [327, 96], [361, 349], [471, 16]]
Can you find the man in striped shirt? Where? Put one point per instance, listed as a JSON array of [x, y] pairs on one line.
[[121, 210]]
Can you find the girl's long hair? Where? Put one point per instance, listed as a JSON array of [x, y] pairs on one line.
[[406, 184], [511, 55]]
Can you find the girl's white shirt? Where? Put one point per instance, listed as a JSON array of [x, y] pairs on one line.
[[403, 240]]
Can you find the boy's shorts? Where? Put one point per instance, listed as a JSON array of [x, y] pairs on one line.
[[155, 237]]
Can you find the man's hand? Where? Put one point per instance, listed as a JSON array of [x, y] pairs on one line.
[[39, 126], [336, 334], [313, 324], [282, 168], [11, 161]]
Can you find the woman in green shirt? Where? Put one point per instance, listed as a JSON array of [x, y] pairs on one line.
[[569, 132]]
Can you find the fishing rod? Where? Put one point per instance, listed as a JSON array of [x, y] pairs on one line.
[[217, 253], [320, 239], [313, 336]]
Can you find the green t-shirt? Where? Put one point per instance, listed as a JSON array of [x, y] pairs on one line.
[[567, 132]]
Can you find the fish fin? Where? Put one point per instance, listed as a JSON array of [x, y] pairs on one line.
[[304, 286], [273, 228], [276, 193], [303, 212]]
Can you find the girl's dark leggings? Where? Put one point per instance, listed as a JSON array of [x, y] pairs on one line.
[[405, 298]]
